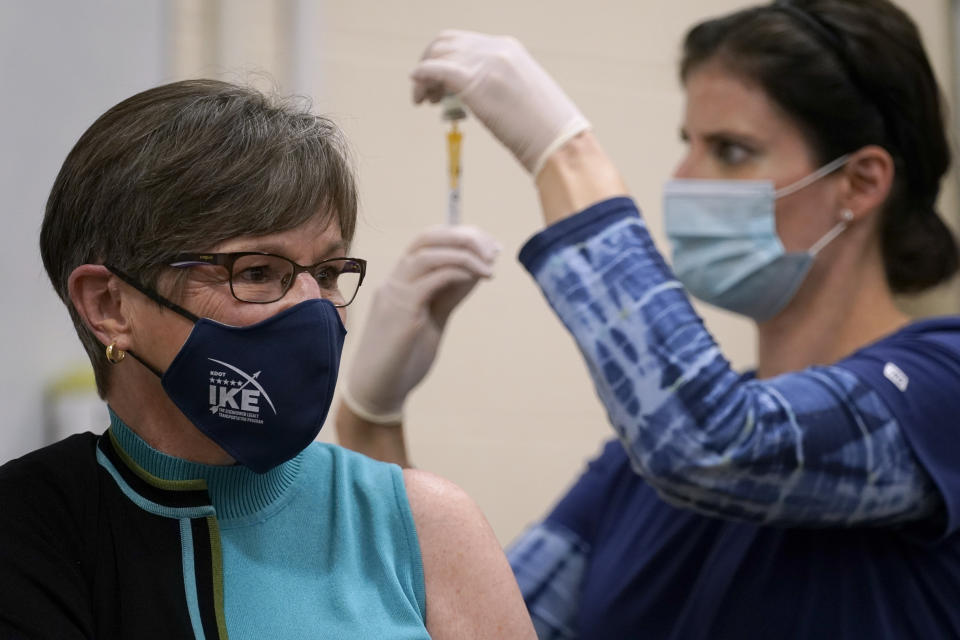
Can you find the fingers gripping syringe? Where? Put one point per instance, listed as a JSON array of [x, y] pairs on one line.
[[453, 111]]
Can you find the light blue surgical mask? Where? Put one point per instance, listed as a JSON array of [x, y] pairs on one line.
[[726, 250]]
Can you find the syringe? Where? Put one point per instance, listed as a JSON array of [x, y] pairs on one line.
[[453, 111]]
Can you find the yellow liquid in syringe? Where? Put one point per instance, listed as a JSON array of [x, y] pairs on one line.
[[454, 139]]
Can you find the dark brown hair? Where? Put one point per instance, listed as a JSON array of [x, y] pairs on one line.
[[182, 167], [852, 73]]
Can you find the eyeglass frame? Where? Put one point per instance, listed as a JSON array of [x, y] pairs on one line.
[[227, 260]]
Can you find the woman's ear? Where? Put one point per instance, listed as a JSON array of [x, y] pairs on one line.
[[98, 299], [869, 177]]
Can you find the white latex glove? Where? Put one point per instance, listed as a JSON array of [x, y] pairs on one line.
[[505, 88], [410, 309]]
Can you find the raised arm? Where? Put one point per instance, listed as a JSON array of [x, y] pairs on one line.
[[816, 447]]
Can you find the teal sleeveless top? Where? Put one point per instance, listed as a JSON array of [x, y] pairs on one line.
[[323, 546]]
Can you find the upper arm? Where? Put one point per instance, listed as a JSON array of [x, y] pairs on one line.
[[471, 592], [814, 447]]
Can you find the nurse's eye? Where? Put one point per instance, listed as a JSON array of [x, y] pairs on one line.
[[731, 153]]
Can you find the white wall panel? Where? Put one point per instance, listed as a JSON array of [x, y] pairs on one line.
[[61, 65]]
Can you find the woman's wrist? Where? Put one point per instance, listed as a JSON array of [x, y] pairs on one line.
[[577, 175], [380, 441]]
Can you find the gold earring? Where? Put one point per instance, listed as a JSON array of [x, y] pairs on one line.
[[115, 355]]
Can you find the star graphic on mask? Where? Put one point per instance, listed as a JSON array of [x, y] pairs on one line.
[[212, 380]]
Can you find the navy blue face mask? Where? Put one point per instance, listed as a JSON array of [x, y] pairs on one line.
[[261, 392]]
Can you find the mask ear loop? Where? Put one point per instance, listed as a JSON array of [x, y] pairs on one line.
[[825, 170], [156, 297], [840, 227]]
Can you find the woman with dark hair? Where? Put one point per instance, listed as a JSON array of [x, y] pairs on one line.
[[203, 229], [816, 496]]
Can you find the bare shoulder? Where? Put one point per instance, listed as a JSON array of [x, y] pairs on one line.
[[437, 501], [471, 591]]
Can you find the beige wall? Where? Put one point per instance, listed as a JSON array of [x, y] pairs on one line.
[[508, 412]]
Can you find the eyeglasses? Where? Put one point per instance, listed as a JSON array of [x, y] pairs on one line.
[[263, 277]]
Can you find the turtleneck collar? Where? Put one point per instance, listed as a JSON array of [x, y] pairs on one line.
[[235, 491]]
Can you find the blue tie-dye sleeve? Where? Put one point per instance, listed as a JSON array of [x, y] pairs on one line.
[[815, 447], [549, 562]]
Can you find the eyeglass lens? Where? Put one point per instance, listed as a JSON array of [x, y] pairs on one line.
[[265, 278]]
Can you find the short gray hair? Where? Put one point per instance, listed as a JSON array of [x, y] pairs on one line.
[[182, 167]]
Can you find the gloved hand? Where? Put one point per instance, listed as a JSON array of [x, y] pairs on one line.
[[410, 309], [505, 88]]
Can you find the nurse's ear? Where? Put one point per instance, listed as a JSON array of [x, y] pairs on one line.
[[868, 178]]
